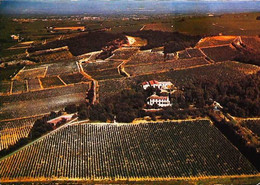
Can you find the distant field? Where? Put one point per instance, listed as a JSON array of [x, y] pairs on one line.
[[159, 27], [226, 24], [145, 151]]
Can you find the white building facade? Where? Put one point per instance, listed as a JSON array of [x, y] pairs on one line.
[[161, 101]]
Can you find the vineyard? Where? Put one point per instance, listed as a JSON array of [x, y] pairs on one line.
[[51, 57], [73, 78], [19, 86], [34, 84], [125, 151], [183, 54], [31, 73], [194, 52], [221, 53], [43, 101], [145, 57], [105, 74], [103, 70], [62, 68], [165, 66], [148, 69], [123, 54], [5, 87], [51, 81], [12, 131], [94, 66]]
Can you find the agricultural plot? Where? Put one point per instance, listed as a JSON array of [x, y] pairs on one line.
[[123, 53], [105, 74], [165, 66], [19, 86], [34, 84], [51, 81], [62, 68], [149, 69], [251, 42], [43, 101], [12, 131], [31, 73], [253, 125], [144, 151], [95, 66], [221, 53], [51, 57], [194, 52], [73, 78], [5, 87], [145, 57], [183, 54]]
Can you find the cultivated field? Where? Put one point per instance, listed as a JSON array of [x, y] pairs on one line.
[[73, 78], [95, 66], [145, 57], [151, 68], [30, 73], [43, 101], [19, 86], [34, 84], [123, 54], [193, 52], [5, 87], [12, 131], [51, 57], [51, 81], [103, 70], [62, 68], [105, 74], [145, 151], [221, 53]]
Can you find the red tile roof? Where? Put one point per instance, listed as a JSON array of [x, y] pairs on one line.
[[152, 82], [158, 97]]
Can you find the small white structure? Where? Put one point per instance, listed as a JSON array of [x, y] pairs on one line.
[[15, 37], [161, 101], [217, 106], [159, 85], [145, 85]]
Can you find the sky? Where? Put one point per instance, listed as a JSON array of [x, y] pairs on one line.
[[126, 6]]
